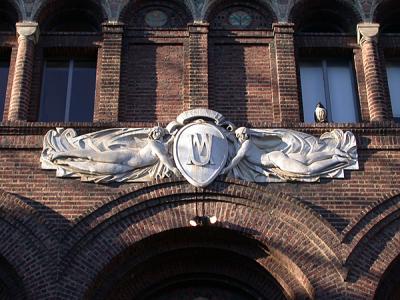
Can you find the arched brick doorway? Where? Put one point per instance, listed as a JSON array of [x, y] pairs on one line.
[[190, 263], [11, 286], [113, 239], [389, 285]]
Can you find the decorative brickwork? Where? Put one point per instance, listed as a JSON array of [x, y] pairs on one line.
[[197, 64]]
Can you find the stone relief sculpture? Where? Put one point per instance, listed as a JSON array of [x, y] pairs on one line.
[[109, 155], [199, 145], [282, 154]]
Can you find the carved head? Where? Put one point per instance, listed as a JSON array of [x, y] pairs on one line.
[[156, 133], [242, 134]]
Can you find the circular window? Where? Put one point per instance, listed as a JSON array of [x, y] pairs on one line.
[[156, 18], [240, 19]]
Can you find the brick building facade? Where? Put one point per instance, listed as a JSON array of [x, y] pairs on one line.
[[66, 239]]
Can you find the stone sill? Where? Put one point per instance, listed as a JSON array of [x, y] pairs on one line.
[[40, 128]]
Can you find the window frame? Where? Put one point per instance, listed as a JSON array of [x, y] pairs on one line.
[[71, 61], [389, 61], [5, 57], [323, 62]]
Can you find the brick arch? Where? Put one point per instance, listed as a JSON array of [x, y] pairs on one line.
[[375, 245], [300, 13], [26, 245], [132, 9], [369, 217], [11, 286], [190, 241], [389, 284], [43, 10], [263, 7], [385, 12], [11, 12], [275, 220]]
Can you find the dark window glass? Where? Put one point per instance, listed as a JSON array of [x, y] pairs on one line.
[[83, 91], [393, 75], [54, 91], [330, 82], [4, 66], [68, 91]]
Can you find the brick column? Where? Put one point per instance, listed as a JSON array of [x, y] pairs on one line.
[[197, 65], [288, 92], [367, 35], [28, 33], [110, 55]]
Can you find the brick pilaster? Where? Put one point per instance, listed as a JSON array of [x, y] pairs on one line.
[[288, 92], [28, 33], [197, 66], [110, 55], [367, 34]]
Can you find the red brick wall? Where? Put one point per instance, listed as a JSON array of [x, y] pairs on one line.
[[153, 83], [240, 82]]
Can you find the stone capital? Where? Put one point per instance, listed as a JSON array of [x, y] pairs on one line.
[[367, 32], [113, 27], [198, 27], [28, 30]]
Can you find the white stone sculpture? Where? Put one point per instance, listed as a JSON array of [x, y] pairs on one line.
[[280, 154], [109, 155], [205, 145]]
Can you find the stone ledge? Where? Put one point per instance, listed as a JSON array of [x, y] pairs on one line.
[[29, 135]]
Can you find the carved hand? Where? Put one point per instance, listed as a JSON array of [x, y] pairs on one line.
[[176, 172]]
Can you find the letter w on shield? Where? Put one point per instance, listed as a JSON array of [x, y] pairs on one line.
[[201, 149]]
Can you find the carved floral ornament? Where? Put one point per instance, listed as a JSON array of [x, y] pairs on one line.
[[199, 145]]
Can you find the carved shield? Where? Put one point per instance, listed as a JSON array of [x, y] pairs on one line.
[[200, 153]]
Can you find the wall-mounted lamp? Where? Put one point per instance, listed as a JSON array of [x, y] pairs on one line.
[[203, 221]]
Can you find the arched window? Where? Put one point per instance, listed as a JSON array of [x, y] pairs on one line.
[[8, 16], [324, 16], [68, 73], [71, 16], [327, 77], [387, 15]]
